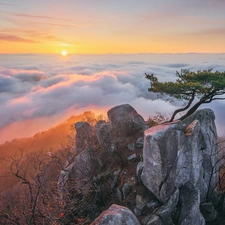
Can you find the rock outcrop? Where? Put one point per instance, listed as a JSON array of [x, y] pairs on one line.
[[160, 156], [163, 173], [163, 214], [102, 129], [180, 152], [99, 154], [190, 200], [116, 215], [84, 134], [79, 166], [183, 155], [124, 121]]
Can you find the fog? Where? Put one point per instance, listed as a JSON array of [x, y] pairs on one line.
[[39, 91]]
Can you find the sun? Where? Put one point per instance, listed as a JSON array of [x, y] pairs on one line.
[[63, 52]]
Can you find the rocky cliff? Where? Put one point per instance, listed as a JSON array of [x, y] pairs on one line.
[[166, 174]]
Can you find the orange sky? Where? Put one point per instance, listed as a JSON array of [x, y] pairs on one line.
[[119, 26]]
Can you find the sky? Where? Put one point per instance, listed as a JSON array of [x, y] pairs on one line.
[[38, 92], [112, 26], [111, 44]]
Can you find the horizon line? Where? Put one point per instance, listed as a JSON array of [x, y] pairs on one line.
[[140, 53]]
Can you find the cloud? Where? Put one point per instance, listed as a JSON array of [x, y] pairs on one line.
[[6, 84], [38, 17], [5, 4], [18, 81], [14, 38], [177, 65], [24, 28], [25, 15], [53, 24], [40, 87], [31, 35], [210, 32]]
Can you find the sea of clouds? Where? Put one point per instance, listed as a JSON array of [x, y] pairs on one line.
[[40, 91]]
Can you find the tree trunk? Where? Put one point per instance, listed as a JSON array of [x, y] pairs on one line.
[[183, 109], [191, 110]]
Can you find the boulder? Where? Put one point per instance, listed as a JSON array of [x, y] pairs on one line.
[[153, 203], [62, 183], [131, 146], [126, 190], [154, 220], [175, 153], [124, 121], [131, 157], [116, 215], [116, 174], [77, 171], [139, 143], [139, 169], [103, 134], [84, 134], [160, 155], [190, 200], [165, 211], [189, 166], [140, 204], [207, 139], [119, 194], [163, 215]]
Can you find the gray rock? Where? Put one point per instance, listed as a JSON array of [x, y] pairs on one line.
[[160, 155], [119, 194], [84, 135], [140, 204], [124, 120], [164, 213], [139, 143], [131, 146], [153, 203], [116, 215], [103, 134], [79, 168], [62, 183], [133, 156], [117, 172], [180, 155], [190, 202], [208, 147], [176, 153], [113, 147], [126, 190], [116, 177], [139, 169], [137, 212], [154, 220], [190, 163]]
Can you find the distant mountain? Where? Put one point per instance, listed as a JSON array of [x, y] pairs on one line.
[[46, 140], [49, 140]]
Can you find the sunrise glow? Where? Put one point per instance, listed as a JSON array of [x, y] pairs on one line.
[[64, 53], [112, 27]]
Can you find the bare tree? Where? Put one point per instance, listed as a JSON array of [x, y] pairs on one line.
[[34, 200]]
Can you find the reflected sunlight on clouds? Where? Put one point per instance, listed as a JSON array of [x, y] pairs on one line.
[[112, 26], [39, 87]]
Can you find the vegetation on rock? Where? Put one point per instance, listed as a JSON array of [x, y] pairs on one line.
[[204, 86]]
